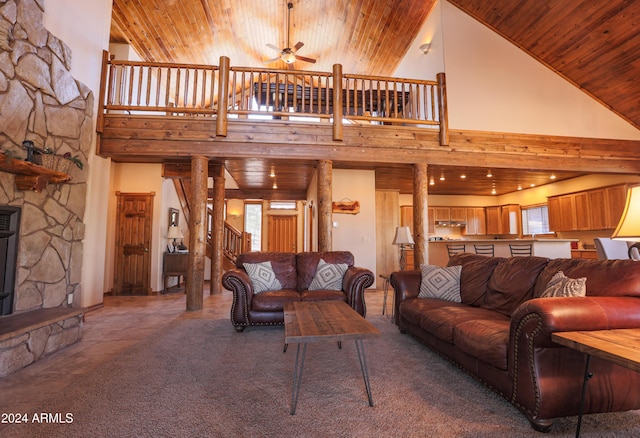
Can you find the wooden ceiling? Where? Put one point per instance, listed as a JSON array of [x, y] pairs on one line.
[[594, 45]]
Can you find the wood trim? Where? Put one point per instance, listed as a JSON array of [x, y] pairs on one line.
[[148, 139]]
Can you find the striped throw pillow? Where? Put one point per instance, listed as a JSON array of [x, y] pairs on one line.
[[442, 283]]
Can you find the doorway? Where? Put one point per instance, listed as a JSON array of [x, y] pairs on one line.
[[134, 220], [283, 233]]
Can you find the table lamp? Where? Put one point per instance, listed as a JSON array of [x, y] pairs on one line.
[[629, 226], [403, 237], [174, 233]]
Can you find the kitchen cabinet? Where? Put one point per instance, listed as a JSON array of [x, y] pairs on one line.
[[457, 214], [494, 220], [432, 220], [511, 219], [615, 200], [583, 211], [476, 222], [406, 217], [442, 214], [595, 209]]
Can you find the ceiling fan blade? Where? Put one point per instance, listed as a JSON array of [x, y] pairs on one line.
[[305, 59], [268, 61], [298, 46], [271, 46]]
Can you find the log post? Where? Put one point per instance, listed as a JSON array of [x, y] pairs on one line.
[[217, 231], [223, 96], [197, 232], [420, 215], [442, 109], [337, 102], [325, 207]]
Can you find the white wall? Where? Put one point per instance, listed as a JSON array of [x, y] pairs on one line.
[[84, 26], [356, 232], [494, 86]]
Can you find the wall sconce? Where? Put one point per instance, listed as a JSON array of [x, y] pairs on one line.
[[424, 48]]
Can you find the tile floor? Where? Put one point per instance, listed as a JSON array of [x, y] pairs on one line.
[[118, 325]]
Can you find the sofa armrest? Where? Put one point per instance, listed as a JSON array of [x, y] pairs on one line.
[[405, 284], [238, 282], [571, 314], [354, 283], [538, 366]]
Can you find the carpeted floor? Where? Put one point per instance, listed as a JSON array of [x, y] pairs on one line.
[[200, 378]]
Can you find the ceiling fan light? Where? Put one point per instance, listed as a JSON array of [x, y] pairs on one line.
[[288, 57]]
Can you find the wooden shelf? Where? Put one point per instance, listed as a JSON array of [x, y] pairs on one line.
[[30, 176]]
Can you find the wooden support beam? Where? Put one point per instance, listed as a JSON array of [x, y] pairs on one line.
[[420, 215], [325, 206], [197, 233], [217, 232]]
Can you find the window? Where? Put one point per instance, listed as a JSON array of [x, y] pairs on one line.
[[253, 224], [535, 220], [282, 205]]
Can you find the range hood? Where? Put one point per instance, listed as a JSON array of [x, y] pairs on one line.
[[451, 224]]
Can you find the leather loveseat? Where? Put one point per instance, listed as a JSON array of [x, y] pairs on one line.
[[501, 331], [295, 274]]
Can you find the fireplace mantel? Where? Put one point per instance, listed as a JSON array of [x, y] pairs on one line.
[[31, 176]]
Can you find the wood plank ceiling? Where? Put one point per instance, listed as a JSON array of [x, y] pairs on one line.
[[594, 45]]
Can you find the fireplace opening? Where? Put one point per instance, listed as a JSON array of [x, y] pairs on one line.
[[9, 234]]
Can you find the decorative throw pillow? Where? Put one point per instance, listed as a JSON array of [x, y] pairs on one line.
[[442, 283], [562, 286], [262, 277], [328, 276]]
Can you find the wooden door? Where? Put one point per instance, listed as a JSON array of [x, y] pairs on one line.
[[282, 233], [133, 243]]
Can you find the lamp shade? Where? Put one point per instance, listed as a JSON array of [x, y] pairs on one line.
[[403, 236], [174, 232], [629, 226]]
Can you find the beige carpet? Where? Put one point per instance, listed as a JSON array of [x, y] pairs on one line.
[[200, 378]]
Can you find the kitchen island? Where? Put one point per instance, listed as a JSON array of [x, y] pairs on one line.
[[551, 248]]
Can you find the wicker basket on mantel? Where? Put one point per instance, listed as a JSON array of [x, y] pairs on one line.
[[54, 162]]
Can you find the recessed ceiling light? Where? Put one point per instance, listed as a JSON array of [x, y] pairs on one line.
[[272, 174], [432, 182], [553, 176], [532, 185], [489, 174], [463, 176], [275, 185], [519, 186], [441, 177], [493, 191]]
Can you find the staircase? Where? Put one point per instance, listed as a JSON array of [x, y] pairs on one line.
[[234, 241]]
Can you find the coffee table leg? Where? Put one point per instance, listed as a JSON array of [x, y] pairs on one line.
[[297, 377], [363, 366], [587, 377]]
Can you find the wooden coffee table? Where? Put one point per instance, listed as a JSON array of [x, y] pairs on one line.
[[316, 321], [620, 346]]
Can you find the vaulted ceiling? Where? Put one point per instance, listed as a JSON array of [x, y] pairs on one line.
[[593, 44]]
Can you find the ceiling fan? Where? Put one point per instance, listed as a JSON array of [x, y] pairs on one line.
[[288, 55]]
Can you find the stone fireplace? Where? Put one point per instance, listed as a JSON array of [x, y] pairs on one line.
[[40, 101]]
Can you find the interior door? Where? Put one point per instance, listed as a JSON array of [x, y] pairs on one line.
[[133, 243], [283, 233]]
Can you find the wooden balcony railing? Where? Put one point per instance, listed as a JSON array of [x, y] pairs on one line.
[[234, 241], [226, 92]]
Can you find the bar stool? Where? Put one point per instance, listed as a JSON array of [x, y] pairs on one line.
[[521, 249], [484, 249], [455, 248]]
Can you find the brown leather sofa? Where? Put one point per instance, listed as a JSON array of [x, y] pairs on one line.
[[295, 273], [501, 331]]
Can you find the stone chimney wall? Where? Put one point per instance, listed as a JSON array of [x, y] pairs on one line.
[[42, 102]]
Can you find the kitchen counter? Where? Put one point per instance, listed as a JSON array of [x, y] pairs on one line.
[[551, 248]]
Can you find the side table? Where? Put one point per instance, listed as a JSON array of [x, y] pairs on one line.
[[174, 264]]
